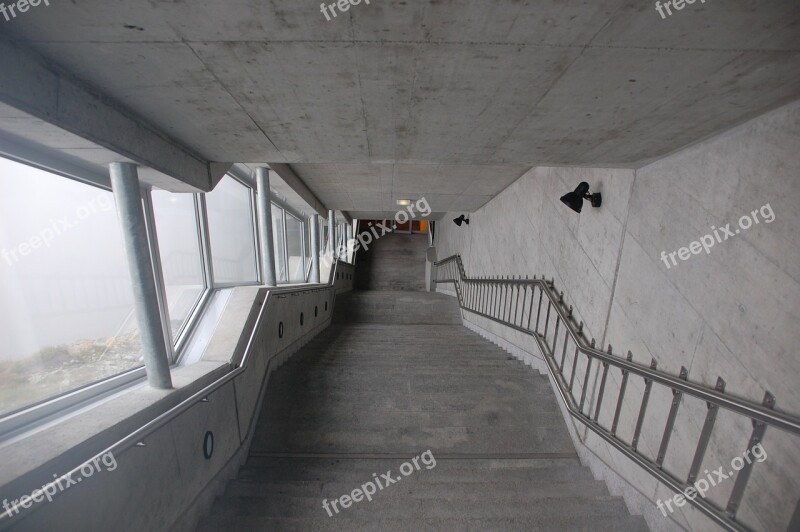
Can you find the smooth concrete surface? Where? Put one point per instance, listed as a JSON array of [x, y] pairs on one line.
[[394, 376], [179, 482], [58, 110], [731, 313], [394, 262], [448, 100]]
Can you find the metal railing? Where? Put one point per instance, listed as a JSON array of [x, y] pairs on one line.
[[514, 303]]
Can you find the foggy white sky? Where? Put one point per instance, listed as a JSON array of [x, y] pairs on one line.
[[75, 288]]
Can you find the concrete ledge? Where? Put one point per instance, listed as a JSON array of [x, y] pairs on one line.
[[32, 459], [48, 93], [167, 483]]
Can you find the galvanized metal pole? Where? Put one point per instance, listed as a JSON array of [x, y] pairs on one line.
[[348, 234], [265, 227], [315, 248], [332, 233], [127, 193]]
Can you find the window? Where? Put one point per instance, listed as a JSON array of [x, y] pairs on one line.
[[323, 235], [66, 310], [280, 244], [230, 225], [294, 246], [307, 248], [178, 235]]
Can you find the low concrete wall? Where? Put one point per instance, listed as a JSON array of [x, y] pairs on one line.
[[168, 483], [730, 313]]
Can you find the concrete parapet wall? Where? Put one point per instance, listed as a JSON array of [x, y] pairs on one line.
[[731, 312], [167, 483]]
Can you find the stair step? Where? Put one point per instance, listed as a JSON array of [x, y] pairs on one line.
[[436, 508], [473, 490], [339, 522], [444, 473], [329, 419]]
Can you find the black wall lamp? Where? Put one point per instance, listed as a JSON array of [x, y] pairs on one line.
[[460, 220], [574, 200]]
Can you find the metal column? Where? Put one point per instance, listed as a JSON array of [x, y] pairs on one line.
[[127, 193], [265, 228], [314, 249], [332, 233], [348, 234]]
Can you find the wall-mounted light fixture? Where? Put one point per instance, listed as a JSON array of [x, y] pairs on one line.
[[460, 220], [404, 202], [574, 200]]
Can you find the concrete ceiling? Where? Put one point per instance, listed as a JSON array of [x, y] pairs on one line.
[[451, 100]]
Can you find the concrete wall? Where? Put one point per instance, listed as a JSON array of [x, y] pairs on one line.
[[168, 484], [730, 313]]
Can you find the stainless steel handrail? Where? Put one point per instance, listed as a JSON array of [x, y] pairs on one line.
[[136, 437], [486, 297]]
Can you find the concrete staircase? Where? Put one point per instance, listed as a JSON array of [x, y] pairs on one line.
[[393, 262], [397, 375]]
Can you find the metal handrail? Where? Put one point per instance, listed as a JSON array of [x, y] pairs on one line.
[[498, 299], [136, 437]]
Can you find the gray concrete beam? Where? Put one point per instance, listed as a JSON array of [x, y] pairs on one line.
[[44, 91], [298, 185]]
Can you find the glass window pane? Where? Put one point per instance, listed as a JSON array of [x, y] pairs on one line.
[[294, 243], [280, 244], [66, 309], [323, 235], [307, 244], [181, 257], [230, 226]]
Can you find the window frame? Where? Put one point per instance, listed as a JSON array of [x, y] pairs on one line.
[[306, 222], [57, 406], [34, 414], [214, 285], [175, 348], [303, 229]]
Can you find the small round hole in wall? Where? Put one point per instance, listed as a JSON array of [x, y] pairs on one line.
[[280, 330], [302, 317], [316, 311], [208, 445]]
